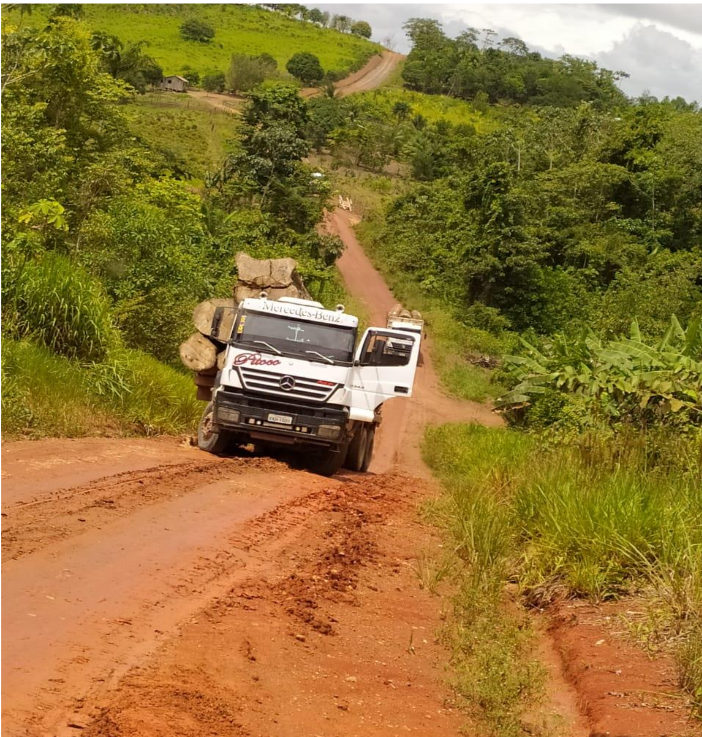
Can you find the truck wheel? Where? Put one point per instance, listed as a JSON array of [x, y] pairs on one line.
[[329, 461], [368, 455], [357, 449], [209, 439]]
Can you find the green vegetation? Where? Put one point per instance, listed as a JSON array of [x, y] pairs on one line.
[[541, 231], [626, 381], [107, 242], [192, 136], [131, 393], [239, 29], [474, 66], [305, 67], [600, 518], [432, 108]]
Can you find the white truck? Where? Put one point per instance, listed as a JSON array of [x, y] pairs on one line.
[[294, 376]]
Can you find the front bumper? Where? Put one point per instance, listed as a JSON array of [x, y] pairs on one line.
[[247, 415]]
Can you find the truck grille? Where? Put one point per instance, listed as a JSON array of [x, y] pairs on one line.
[[270, 383]]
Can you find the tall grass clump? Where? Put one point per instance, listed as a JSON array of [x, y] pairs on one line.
[[54, 302], [599, 519], [130, 393]]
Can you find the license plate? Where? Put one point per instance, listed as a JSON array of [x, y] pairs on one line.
[[281, 419]]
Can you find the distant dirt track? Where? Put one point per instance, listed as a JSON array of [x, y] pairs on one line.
[[369, 77]]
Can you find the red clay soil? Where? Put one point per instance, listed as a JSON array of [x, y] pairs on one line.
[[371, 75], [622, 691]]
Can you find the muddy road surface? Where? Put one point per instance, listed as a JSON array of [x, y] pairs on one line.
[[152, 589]]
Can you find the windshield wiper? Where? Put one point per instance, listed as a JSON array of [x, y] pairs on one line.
[[268, 345], [326, 358]]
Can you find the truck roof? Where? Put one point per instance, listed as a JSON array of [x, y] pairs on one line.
[[301, 308]]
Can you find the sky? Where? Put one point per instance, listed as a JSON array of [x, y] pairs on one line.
[[658, 45]]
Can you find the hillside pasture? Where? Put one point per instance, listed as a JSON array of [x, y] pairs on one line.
[[239, 29]]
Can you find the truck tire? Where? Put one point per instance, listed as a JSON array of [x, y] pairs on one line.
[[209, 439], [368, 454], [328, 462], [357, 449]]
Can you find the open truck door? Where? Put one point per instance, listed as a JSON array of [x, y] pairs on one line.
[[385, 365]]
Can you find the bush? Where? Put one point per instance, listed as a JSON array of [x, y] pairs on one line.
[[246, 72], [362, 28], [55, 302], [305, 67], [45, 395], [214, 82], [197, 30]]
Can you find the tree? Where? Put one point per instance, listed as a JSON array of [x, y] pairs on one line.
[[214, 82], [362, 28], [341, 23], [129, 64], [268, 61], [67, 10], [305, 67], [245, 72], [197, 30], [269, 171], [401, 110], [192, 75], [316, 16]]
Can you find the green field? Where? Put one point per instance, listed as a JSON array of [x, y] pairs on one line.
[[190, 132], [239, 29], [434, 107]]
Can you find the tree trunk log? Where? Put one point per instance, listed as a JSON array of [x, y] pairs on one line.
[[220, 360], [205, 311], [198, 353]]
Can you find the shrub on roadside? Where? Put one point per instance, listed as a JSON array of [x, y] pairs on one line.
[[55, 302], [129, 393]]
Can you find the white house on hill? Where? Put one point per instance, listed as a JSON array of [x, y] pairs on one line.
[[175, 83]]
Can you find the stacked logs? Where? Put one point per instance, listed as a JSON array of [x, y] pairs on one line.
[[203, 352], [399, 311]]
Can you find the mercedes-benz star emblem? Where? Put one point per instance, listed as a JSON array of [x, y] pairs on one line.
[[287, 383]]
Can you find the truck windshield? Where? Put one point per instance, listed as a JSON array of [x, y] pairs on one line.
[[297, 337]]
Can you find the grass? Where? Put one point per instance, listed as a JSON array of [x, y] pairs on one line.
[[238, 29], [432, 107], [46, 395], [189, 131], [599, 519]]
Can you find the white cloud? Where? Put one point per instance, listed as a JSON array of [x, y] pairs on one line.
[[658, 61]]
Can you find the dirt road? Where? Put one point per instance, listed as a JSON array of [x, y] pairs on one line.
[[372, 75], [151, 589]]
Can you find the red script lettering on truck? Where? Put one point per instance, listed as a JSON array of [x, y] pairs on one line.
[[255, 359]]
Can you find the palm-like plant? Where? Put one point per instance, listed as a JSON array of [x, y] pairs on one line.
[[625, 376]]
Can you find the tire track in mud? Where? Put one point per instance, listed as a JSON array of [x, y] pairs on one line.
[[283, 651], [86, 604], [28, 527]]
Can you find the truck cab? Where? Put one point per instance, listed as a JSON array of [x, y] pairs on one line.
[[296, 374]]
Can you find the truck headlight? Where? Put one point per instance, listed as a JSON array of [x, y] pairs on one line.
[[227, 414], [328, 431]]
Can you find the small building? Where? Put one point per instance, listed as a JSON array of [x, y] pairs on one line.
[[175, 83]]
